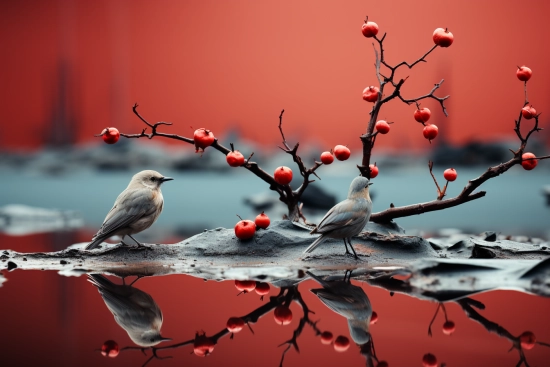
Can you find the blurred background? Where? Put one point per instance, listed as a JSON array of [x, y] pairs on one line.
[[71, 68]]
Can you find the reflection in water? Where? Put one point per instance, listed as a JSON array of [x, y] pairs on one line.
[[347, 300], [134, 310]]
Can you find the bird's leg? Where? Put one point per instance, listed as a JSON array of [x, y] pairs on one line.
[[135, 280], [139, 245], [346, 244], [122, 241], [352, 249]]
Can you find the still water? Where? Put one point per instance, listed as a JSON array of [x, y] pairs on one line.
[[54, 320]]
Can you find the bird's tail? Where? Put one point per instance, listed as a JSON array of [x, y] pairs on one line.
[[99, 281], [96, 241], [315, 243]]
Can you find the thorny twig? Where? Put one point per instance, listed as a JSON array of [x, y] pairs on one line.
[[368, 139]]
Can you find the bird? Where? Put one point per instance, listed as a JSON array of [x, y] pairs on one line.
[[134, 310], [135, 209], [347, 218], [349, 301]]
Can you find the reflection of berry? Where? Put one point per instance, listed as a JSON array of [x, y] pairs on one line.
[[429, 360], [527, 340], [203, 345], [326, 337], [283, 315], [262, 288], [373, 318], [235, 324], [341, 343], [245, 285], [110, 349], [448, 327]]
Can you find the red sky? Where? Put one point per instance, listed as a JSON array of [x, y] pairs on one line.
[[236, 64]]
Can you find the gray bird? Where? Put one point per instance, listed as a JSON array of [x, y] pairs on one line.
[[134, 310], [347, 218], [347, 300], [135, 209]]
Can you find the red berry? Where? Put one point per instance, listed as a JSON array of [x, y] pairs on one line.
[[373, 170], [382, 127], [234, 158], [429, 360], [529, 164], [370, 94], [373, 318], [245, 229], [262, 221], [327, 157], [369, 29], [528, 112], [326, 337], [234, 324], [448, 326], [442, 37], [283, 175], [430, 132], [341, 343], [283, 315], [245, 286], [262, 288], [450, 174], [203, 138], [422, 115], [203, 345], [527, 340], [341, 152], [382, 364], [110, 349], [110, 135], [524, 73]]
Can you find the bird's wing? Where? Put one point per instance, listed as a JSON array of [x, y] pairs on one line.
[[345, 213], [130, 206]]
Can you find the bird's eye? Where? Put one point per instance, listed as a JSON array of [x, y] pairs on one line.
[[153, 178]]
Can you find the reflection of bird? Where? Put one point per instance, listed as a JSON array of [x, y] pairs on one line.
[[347, 218], [135, 209], [347, 300], [134, 310]]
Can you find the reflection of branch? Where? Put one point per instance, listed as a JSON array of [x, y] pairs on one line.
[[493, 327], [293, 342]]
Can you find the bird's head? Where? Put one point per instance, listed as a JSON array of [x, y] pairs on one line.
[[149, 178], [359, 188], [148, 338]]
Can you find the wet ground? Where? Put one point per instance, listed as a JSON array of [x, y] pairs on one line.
[[54, 319]]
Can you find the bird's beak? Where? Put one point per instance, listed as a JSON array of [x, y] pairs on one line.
[[165, 339], [164, 179], [370, 183]]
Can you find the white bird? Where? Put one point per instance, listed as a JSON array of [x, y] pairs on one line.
[[347, 218], [135, 209]]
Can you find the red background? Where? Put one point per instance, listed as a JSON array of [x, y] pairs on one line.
[[236, 64]]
